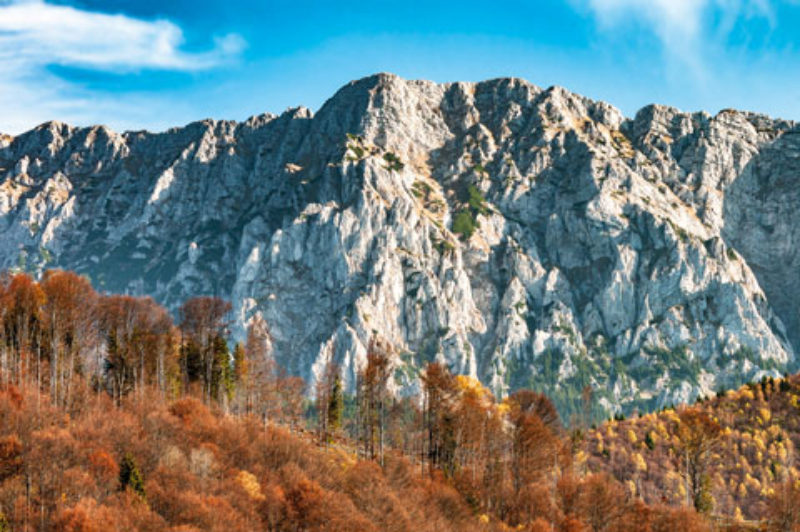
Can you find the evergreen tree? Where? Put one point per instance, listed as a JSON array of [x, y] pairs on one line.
[[130, 476], [191, 362], [222, 375], [335, 405], [240, 368], [204, 321]]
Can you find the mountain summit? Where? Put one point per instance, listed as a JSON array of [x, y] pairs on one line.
[[528, 237]]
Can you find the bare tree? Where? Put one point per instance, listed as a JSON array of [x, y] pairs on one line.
[[372, 398]]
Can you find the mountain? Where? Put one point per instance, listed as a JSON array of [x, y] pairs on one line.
[[528, 237]]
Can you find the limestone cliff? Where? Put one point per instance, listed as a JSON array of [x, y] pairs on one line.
[[528, 237]]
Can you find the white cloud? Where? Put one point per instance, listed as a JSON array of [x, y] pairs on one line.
[[35, 35], [680, 15], [682, 26]]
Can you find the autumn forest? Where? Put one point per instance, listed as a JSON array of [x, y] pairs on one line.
[[117, 415]]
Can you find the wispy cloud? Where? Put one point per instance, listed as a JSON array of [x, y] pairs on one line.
[[687, 29], [35, 35]]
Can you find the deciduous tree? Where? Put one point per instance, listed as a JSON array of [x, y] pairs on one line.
[[69, 315], [372, 398], [698, 434]]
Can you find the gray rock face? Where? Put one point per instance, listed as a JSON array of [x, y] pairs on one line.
[[527, 237]]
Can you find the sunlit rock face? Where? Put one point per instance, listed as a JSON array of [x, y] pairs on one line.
[[527, 237]]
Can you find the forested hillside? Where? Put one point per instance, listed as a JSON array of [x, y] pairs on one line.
[[114, 418], [734, 455]]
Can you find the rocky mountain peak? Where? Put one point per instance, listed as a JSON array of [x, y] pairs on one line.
[[527, 237]]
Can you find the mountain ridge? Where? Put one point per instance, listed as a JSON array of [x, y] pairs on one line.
[[522, 235]]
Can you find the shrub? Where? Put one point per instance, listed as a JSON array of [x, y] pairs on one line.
[[464, 224], [476, 201], [393, 162]]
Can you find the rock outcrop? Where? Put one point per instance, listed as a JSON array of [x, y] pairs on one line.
[[528, 237]]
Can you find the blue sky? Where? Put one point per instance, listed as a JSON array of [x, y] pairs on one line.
[[135, 64]]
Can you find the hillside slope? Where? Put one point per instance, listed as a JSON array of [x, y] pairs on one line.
[[528, 237], [182, 467], [750, 459]]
